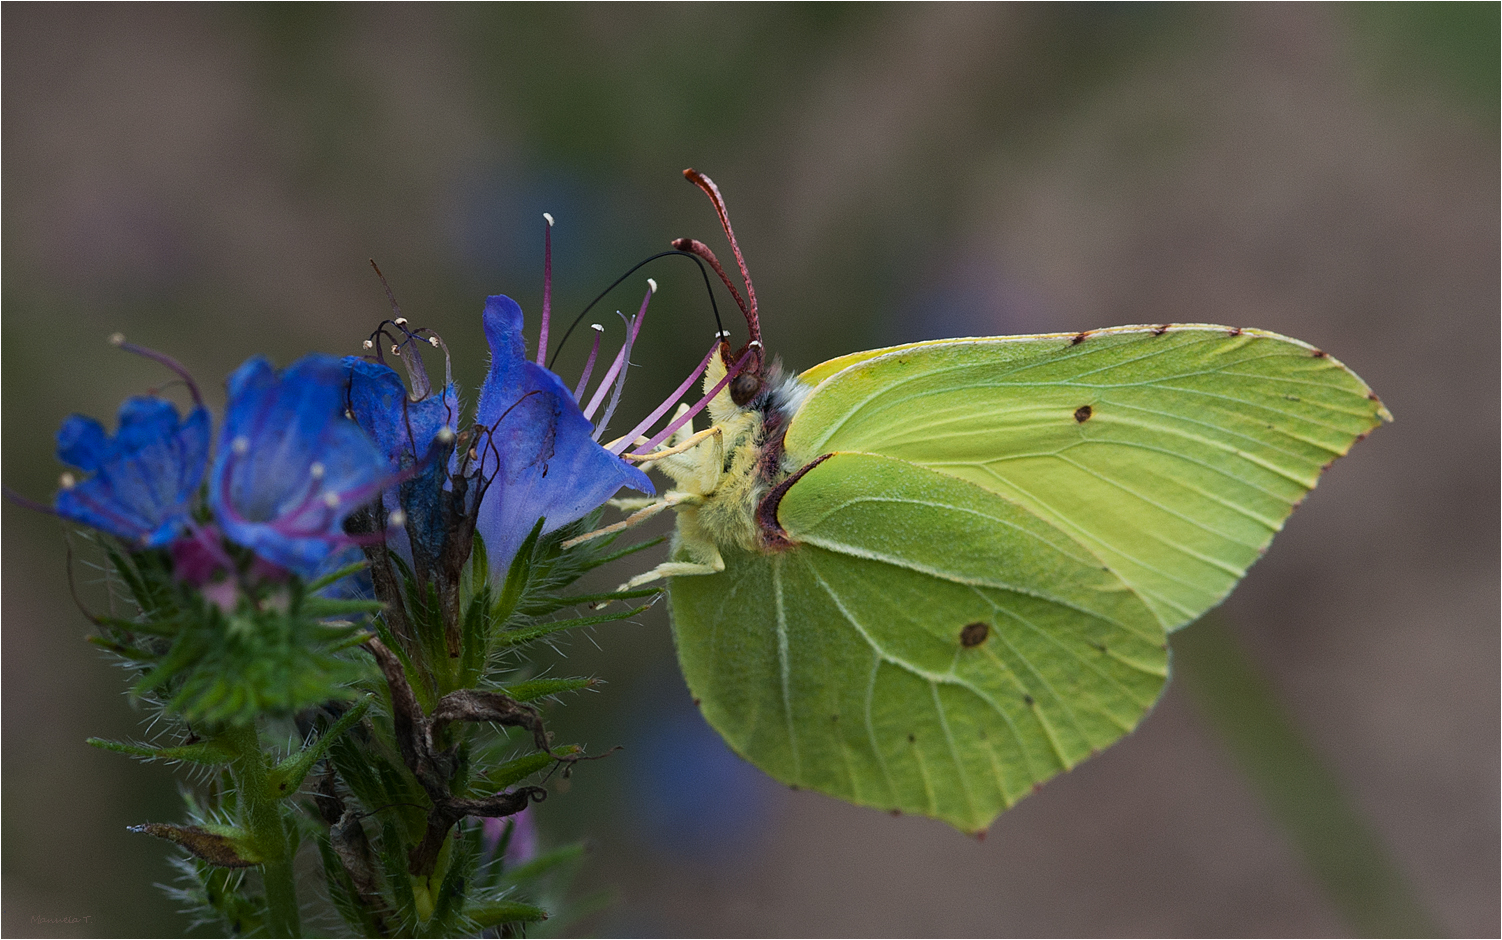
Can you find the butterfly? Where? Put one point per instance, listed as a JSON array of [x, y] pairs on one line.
[[930, 577]]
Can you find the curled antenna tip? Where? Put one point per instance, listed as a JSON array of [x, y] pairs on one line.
[[117, 339], [651, 285], [549, 217], [397, 519], [400, 321], [369, 344], [67, 481], [597, 327]]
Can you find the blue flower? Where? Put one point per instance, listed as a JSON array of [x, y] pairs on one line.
[[144, 477], [291, 466], [405, 431], [538, 456]]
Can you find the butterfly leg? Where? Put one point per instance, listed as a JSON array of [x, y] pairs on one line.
[[708, 561], [652, 508]]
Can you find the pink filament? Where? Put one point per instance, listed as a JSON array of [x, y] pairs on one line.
[[620, 359], [688, 416], [672, 399], [620, 382], [589, 366], [547, 293]]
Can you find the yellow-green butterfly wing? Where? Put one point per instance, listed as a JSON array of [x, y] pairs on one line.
[[1174, 453], [929, 647], [986, 561]]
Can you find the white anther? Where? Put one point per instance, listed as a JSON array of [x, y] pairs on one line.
[[397, 519], [369, 344], [445, 435], [396, 350], [400, 321], [331, 500], [651, 285], [316, 470], [549, 217], [754, 342], [433, 341], [240, 445], [67, 481], [597, 327], [117, 339], [349, 414]]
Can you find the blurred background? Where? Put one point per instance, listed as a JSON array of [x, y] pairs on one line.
[[211, 180]]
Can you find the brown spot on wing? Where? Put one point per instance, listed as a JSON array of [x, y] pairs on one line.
[[1234, 331], [974, 634], [1160, 330], [1083, 413], [1320, 354], [1079, 337]]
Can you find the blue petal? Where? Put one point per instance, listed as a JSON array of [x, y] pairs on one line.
[[265, 491], [541, 460], [145, 477], [81, 442], [404, 430]]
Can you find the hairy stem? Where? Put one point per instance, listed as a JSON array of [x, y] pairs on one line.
[[262, 815]]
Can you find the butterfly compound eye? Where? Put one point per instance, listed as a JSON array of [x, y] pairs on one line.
[[744, 387]]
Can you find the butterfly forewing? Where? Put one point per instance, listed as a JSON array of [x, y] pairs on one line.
[[927, 646], [1173, 454]]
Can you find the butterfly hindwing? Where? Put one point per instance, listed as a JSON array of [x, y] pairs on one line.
[[1172, 453], [927, 646]]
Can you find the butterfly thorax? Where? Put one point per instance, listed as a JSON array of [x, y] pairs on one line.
[[725, 478]]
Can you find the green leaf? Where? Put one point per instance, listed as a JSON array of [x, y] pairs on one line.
[[322, 608], [222, 846], [533, 689], [287, 776], [506, 912], [336, 576], [520, 636], [517, 576], [203, 752], [513, 770]]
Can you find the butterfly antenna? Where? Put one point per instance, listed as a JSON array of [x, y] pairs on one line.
[[713, 192]]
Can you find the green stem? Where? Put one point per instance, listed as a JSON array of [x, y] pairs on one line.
[[1298, 788], [262, 815]]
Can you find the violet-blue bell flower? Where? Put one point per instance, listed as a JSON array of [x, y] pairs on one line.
[[538, 456], [143, 478], [405, 431], [290, 465]]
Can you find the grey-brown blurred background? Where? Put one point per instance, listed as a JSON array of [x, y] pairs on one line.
[[211, 181]]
